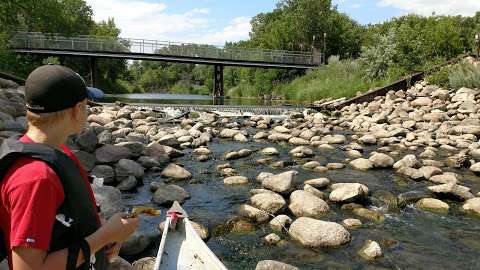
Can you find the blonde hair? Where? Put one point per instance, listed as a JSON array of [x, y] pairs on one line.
[[45, 119]]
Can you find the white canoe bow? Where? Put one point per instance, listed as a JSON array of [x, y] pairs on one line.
[[181, 248]]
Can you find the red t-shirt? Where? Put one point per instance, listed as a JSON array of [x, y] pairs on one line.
[[30, 195]]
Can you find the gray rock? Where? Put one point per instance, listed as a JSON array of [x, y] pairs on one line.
[[280, 223], [371, 250], [228, 133], [348, 192], [86, 159], [176, 172], [269, 151], [335, 139], [147, 263], [317, 233], [105, 137], [301, 152], [87, 140], [380, 160], [110, 200], [167, 194], [127, 183], [432, 204], [274, 265], [148, 162], [318, 182], [253, 213], [368, 139], [117, 263], [279, 137], [429, 171], [361, 164], [281, 183], [136, 148], [305, 204], [112, 153], [409, 161], [270, 202], [452, 190], [127, 167], [235, 180], [157, 151], [105, 172], [135, 244], [352, 222], [272, 239]]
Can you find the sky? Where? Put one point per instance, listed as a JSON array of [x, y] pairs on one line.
[[218, 21]]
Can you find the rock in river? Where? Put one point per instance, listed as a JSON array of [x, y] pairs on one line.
[[305, 204], [317, 233], [253, 213], [371, 250], [472, 205], [274, 265], [432, 204], [280, 183], [167, 194], [348, 192], [270, 202], [176, 172]]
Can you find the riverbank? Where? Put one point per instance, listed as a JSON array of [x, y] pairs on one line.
[[389, 184]]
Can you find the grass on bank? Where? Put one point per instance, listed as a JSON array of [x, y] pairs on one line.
[[464, 74]]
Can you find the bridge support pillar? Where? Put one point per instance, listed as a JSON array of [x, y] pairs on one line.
[[93, 71], [218, 82]]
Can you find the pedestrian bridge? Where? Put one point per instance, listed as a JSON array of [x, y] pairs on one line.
[[154, 50]]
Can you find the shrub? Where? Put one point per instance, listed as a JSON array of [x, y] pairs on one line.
[[439, 78], [464, 75]]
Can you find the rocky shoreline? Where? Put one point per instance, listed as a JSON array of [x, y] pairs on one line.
[[424, 134]]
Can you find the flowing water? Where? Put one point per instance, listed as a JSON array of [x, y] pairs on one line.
[[410, 238], [159, 98]]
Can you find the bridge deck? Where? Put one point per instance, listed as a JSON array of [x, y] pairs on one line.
[[51, 44]]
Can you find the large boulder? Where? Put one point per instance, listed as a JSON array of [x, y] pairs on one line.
[[85, 158], [167, 194], [87, 139], [157, 151], [472, 205], [348, 192], [127, 167], [269, 201], [253, 213], [317, 233], [127, 183], [104, 171], [380, 160], [136, 148], [112, 153], [281, 183], [452, 190], [173, 171], [305, 204]]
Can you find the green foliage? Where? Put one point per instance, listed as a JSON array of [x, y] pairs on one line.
[[379, 58], [439, 78], [338, 79], [464, 75]]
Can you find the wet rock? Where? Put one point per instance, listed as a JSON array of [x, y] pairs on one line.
[[412, 173], [354, 154], [411, 197], [147, 263], [172, 152], [148, 162], [202, 151], [232, 155], [280, 223], [136, 148], [361, 164], [429, 171], [167, 194], [112, 153], [472, 205], [335, 139], [370, 251], [256, 191], [335, 166], [135, 244], [326, 147], [270, 151], [281, 129], [158, 152], [281, 183], [348, 192], [444, 178], [279, 137], [105, 172], [321, 169], [272, 239], [317, 233], [311, 165], [240, 138], [368, 139], [173, 171], [263, 175], [117, 263], [298, 141], [253, 213], [260, 136], [235, 180], [432, 204], [352, 223], [305, 204], [452, 190], [475, 168], [110, 200], [301, 152], [315, 192], [127, 183], [307, 134], [270, 202], [274, 265], [127, 167], [380, 160], [369, 214], [318, 182], [409, 161]]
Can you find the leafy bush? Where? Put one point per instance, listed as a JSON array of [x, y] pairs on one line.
[[464, 75], [439, 78], [379, 58]]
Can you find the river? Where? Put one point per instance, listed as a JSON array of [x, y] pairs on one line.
[[161, 98]]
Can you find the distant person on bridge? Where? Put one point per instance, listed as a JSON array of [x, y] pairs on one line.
[[48, 214]]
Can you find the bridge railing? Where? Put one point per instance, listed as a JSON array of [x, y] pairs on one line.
[[33, 40]]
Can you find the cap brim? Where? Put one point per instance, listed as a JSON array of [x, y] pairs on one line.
[[94, 93]]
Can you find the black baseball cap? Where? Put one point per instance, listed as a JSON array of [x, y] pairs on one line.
[[52, 88]]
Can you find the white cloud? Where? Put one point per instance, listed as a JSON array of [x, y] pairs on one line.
[[238, 29], [441, 7], [141, 19]]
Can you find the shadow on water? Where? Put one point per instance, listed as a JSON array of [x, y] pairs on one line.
[[410, 238]]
